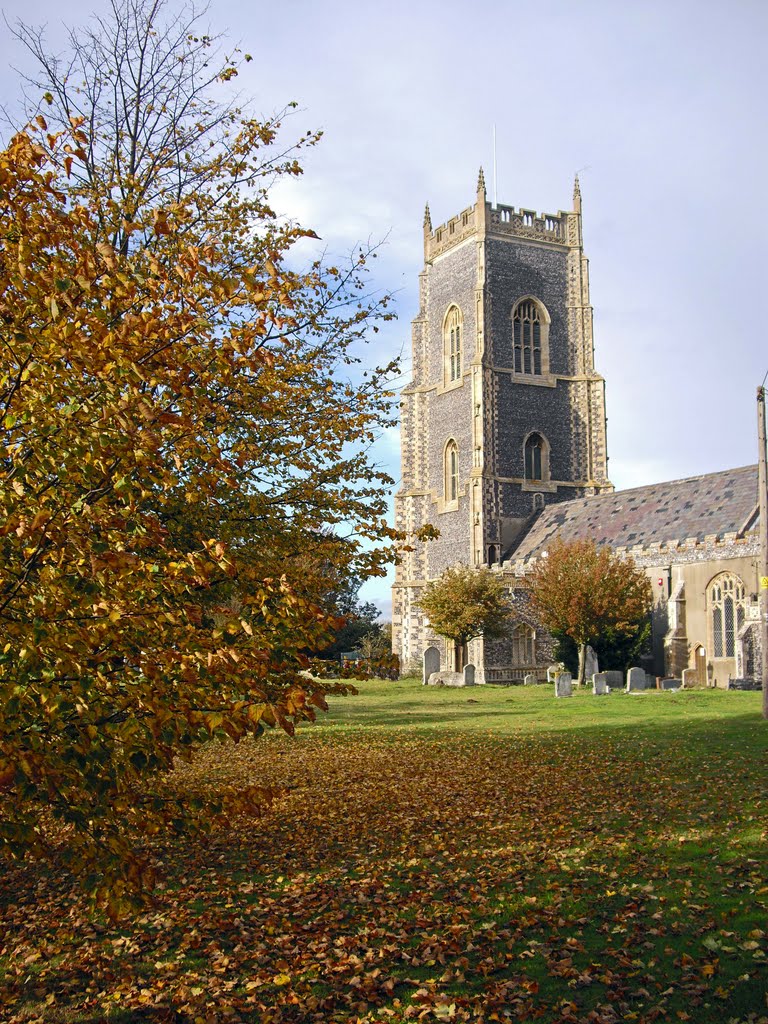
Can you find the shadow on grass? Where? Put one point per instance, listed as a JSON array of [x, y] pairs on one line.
[[607, 864], [505, 712]]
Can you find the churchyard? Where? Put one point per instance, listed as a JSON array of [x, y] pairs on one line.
[[476, 854]]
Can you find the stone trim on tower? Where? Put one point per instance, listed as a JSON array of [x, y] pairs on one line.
[[502, 352]]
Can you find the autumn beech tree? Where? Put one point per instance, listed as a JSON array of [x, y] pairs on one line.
[[584, 591], [170, 156], [163, 124], [465, 603], [177, 427]]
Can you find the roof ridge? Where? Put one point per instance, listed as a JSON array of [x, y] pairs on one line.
[[644, 487], [684, 479], [710, 505]]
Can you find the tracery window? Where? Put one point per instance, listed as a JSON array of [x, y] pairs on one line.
[[451, 472], [452, 331], [536, 458], [529, 337], [523, 645], [727, 604]]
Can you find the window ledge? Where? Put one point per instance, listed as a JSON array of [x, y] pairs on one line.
[[543, 486], [452, 386], [543, 380]]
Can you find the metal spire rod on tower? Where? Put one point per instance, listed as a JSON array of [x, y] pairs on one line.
[[494, 168]]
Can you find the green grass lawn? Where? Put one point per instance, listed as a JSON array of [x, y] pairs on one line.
[[511, 710], [481, 854]]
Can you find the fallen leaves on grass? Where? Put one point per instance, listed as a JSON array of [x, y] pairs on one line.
[[553, 878]]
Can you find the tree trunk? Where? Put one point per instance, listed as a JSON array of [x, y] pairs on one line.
[[581, 680], [459, 657]]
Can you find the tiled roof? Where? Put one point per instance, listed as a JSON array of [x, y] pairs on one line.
[[700, 507]]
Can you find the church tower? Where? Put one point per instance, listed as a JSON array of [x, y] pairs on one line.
[[505, 412]]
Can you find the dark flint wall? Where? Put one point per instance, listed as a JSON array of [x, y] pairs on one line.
[[515, 270]]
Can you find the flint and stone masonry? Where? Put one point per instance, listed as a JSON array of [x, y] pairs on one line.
[[505, 413]]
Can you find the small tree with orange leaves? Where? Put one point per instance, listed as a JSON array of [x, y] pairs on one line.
[[582, 591], [464, 603]]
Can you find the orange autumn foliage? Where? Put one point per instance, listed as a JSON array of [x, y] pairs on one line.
[[176, 433], [582, 590]]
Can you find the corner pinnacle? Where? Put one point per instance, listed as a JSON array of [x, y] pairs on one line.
[[427, 218], [481, 181]]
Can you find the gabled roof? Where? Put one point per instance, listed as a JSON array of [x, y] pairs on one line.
[[701, 506]]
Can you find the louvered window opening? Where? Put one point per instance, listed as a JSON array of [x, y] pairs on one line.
[[527, 338], [453, 328], [456, 352], [533, 458]]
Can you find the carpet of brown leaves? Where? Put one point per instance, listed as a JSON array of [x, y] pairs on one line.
[[577, 877]]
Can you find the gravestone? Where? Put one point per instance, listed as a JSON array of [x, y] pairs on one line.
[[554, 670], [744, 684], [635, 680], [600, 684], [671, 684], [431, 663], [469, 675], [446, 678], [614, 679], [563, 684], [690, 678], [591, 666], [530, 680]]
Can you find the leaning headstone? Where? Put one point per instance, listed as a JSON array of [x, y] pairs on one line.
[[530, 680], [614, 678], [431, 663], [600, 684], [469, 675], [563, 684], [671, 684], [690, 678], [590, 663], [635, 680], [554, 670], [446, 678]]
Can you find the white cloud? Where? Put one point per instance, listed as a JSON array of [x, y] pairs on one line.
[[662, 107]]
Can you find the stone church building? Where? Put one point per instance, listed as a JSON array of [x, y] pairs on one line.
[[503, 437]]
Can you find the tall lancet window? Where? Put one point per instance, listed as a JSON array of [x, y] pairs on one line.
[[530, 330], [536, 458], [452, 340], [523, 645], [727, 604], [451, 473]]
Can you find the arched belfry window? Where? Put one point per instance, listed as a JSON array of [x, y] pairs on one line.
[[451, 472], [726, 602], [530, 336], [536, 454], [452, 342]]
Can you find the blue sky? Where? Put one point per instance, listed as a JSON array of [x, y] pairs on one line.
[[659, 106]]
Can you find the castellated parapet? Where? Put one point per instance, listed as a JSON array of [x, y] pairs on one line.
[[505, 412], [502, 221]]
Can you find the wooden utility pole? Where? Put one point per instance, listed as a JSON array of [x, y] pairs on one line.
[[762, 483]]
